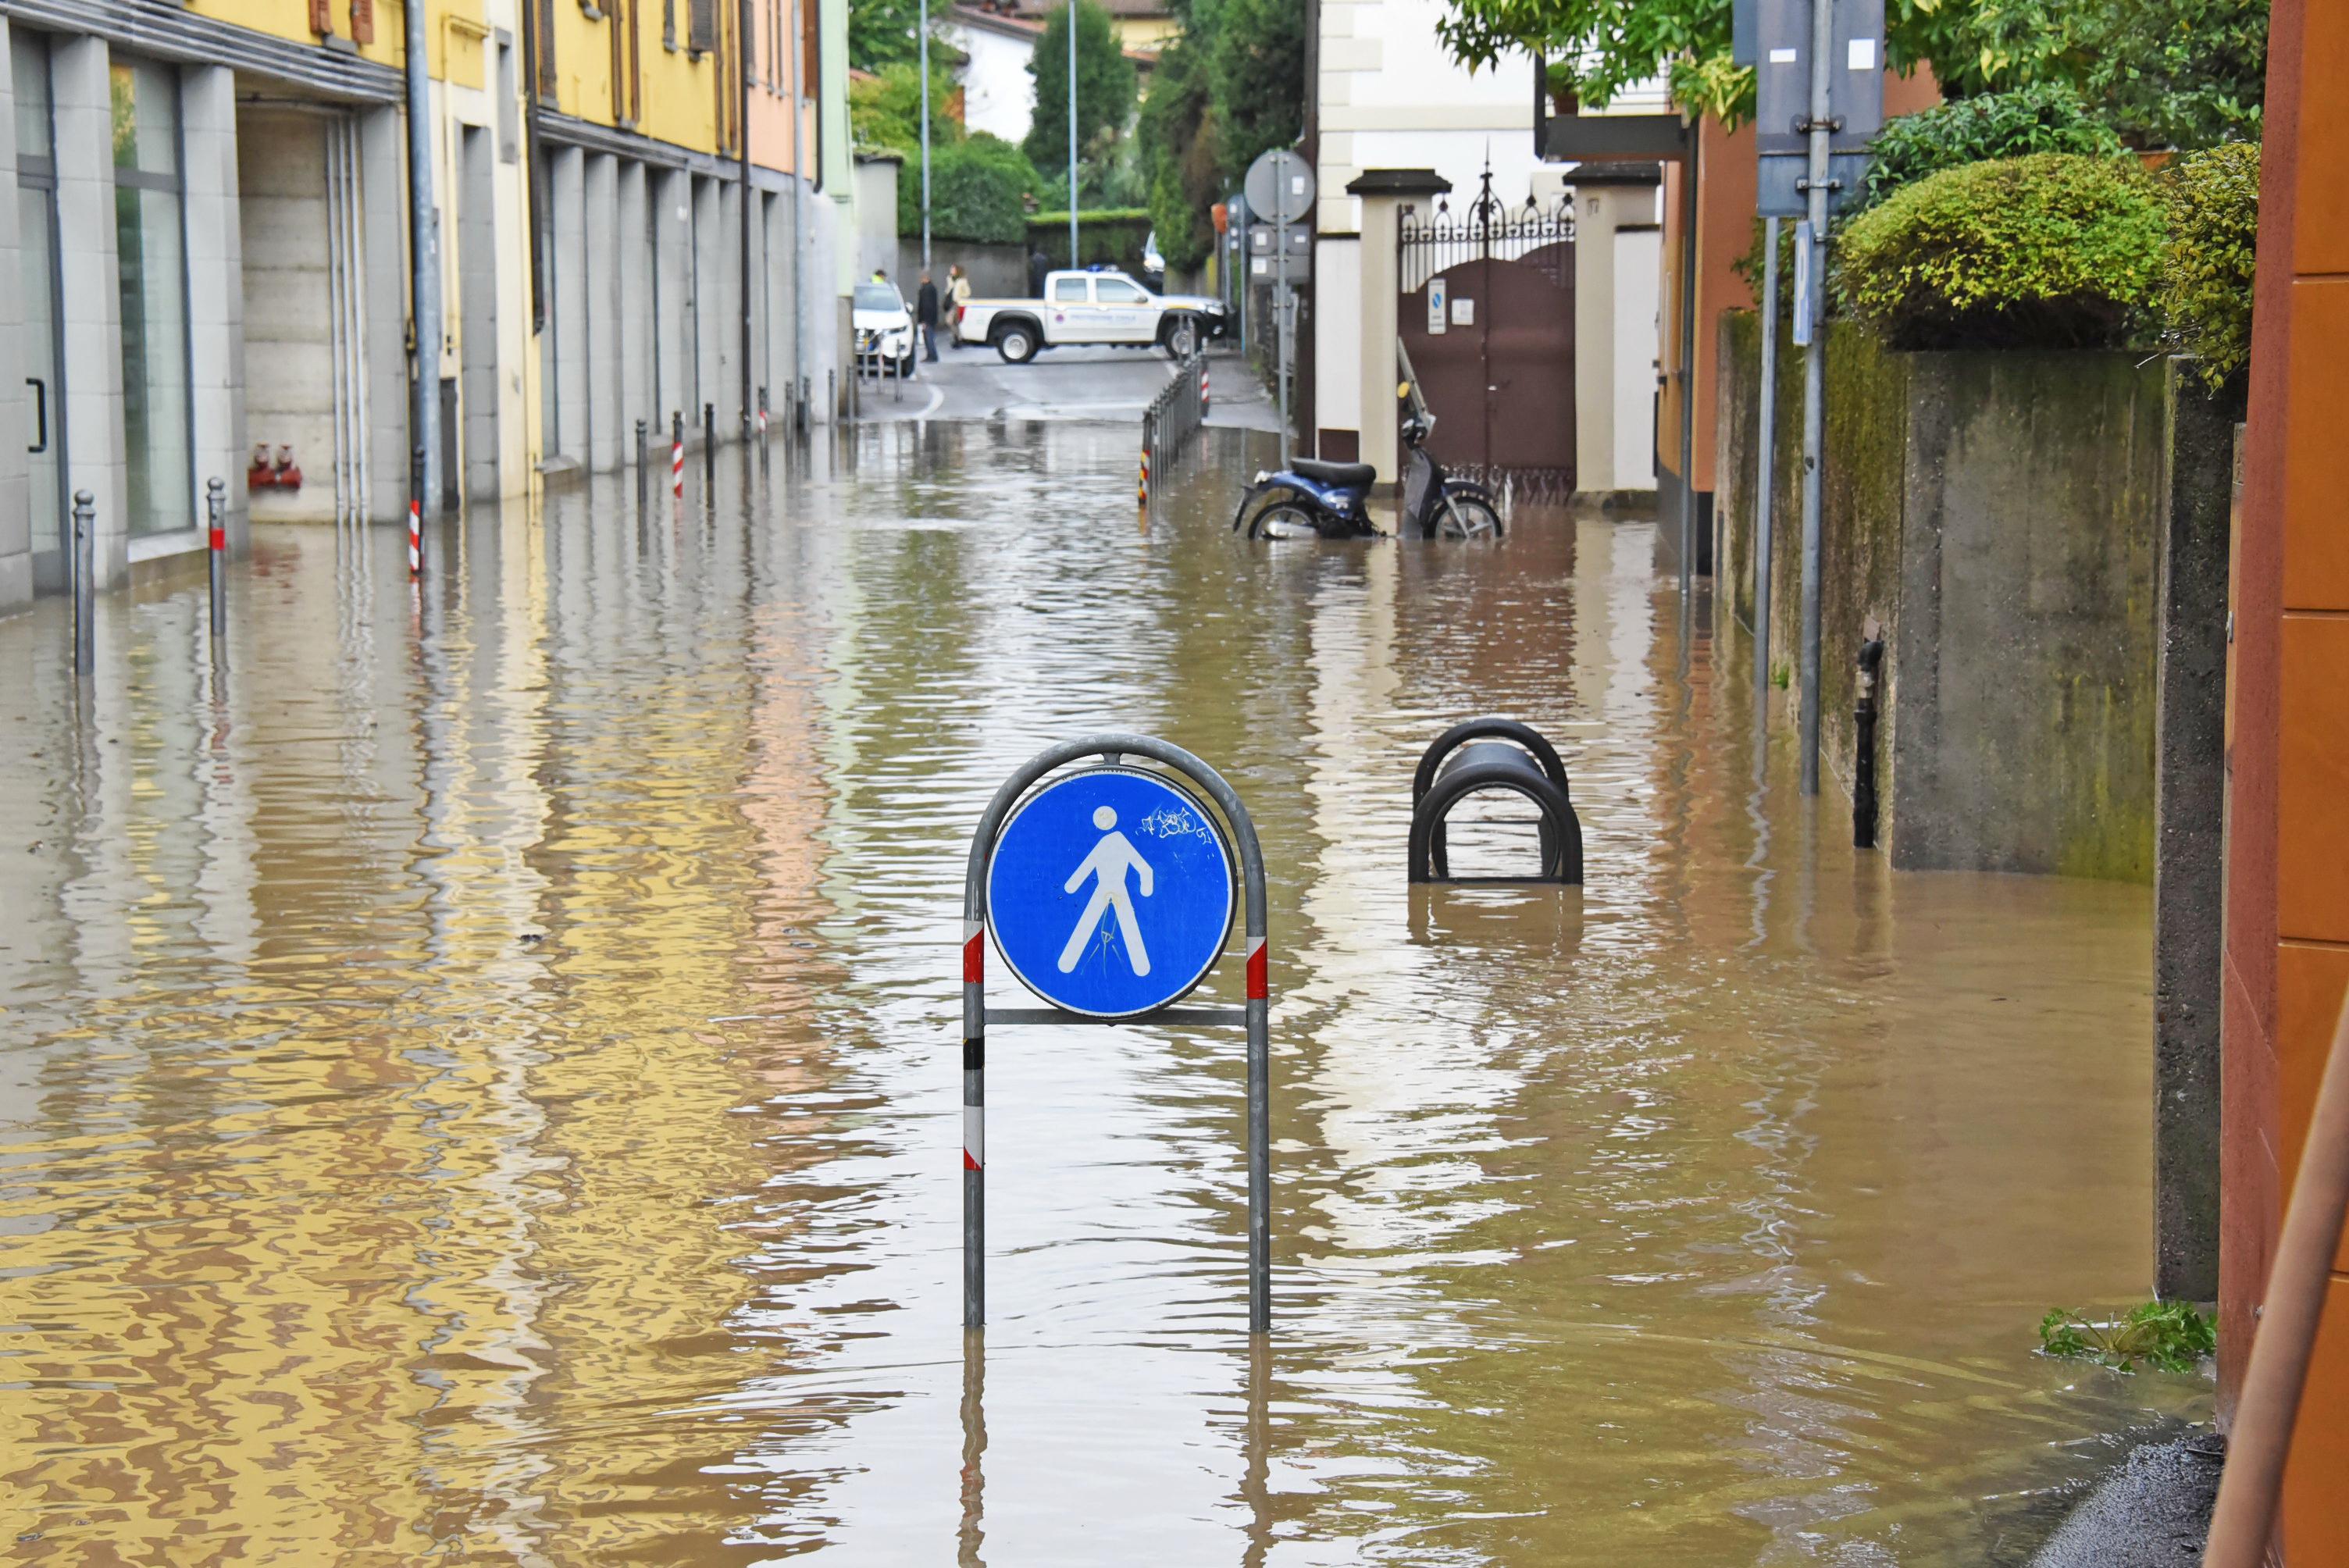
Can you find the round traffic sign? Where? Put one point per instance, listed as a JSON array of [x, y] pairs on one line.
[[1109, 892], [1279, 187]]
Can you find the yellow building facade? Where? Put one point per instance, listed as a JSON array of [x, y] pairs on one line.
[[206, 274]]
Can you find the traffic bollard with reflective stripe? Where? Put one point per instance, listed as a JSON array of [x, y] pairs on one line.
[[85, 583], [216, 545], [677, 453]]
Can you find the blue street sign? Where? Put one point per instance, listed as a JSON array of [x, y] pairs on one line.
[[1109, 892]]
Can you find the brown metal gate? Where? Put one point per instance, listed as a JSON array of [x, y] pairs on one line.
[[1487, 314]]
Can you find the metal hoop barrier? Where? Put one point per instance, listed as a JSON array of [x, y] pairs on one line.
[[1174, 417], [1019, 795], [1492, 754]]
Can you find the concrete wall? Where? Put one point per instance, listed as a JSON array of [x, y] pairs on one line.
[[2000, 514], [289, 361]]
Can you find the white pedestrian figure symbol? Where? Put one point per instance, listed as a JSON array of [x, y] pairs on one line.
[[1107, 865]]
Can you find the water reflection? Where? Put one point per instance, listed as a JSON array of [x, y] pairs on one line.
[[481, 1086]]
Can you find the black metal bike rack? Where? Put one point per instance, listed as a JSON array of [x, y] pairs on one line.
[[1492, 754]]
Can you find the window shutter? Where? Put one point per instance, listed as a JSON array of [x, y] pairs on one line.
[[701, 22]]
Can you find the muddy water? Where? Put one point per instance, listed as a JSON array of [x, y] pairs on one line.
[[482, 1087]]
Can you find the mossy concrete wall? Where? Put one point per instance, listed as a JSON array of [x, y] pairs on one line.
[[1999, 513]]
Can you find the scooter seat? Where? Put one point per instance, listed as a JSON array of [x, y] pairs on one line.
[[1347, 475]]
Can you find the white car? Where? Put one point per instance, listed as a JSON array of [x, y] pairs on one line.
[[883, 327], [1091, 307]]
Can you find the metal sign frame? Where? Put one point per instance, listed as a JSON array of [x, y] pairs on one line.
[[1256, 1015]]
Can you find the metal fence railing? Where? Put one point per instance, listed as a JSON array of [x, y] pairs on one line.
[[1173, 418]]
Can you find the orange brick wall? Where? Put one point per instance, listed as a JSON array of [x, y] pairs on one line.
[[2287, 962]]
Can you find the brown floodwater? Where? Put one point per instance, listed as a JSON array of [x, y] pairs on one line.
[[483, 1085]]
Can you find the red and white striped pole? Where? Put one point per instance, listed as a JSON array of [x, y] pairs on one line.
[[416, 520], [676, 454], [1142, 488], [974, 1124], [1203, 400]]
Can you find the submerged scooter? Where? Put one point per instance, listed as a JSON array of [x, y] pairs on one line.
[[1314, 499]]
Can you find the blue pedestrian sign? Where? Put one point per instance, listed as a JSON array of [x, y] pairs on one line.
[[1109, 892]]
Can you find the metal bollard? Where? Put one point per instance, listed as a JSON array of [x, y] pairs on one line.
[[643, 458], [763, 413], [216, 514], [1863, 719], [416, 514], [1142, 490], [708, 450], [85, 583], [677, 453]]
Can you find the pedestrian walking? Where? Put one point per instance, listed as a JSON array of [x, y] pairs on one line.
[[957, 296], [925, 315]]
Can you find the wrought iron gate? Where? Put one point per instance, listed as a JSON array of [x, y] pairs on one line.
[[1487, 313]]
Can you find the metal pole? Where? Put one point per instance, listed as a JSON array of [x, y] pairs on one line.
[[1280, 317], [1815, 363], [2289, 1318], [642, 464], [1765, 507], [85, 582], [708, 450], [1688, 368], [921, 34], [799, 189], [1073, 262], [215, 515], [424, 252]]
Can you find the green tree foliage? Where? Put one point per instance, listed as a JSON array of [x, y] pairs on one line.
[[2041, 116], [1104, 90], [2213, 199], [2180, 73], [1177, 140], [887, 111], [2051, 251], [881, 31], [978, 187], [1257, 79]]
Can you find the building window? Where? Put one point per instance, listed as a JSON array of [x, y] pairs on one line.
[[701, 24], [158, 445]]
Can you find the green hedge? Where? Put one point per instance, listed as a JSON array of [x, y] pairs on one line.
[[979, 191], [1112, 235], [2045, 117], [2053, 251], [2213, 199]]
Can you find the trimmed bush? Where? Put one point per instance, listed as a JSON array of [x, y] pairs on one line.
[[2205, 280], [978, 192], [2045, 117], [2053, 251]]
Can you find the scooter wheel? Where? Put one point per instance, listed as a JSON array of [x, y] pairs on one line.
[[1284, 520], [1469, 517]]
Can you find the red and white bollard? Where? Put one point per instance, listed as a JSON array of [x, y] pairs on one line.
[[1203, 386], [677, 455], [415, 536], [1142, 490]]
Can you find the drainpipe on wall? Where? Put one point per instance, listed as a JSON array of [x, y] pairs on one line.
[[424, 265], [742, 129], [533, 184], [799, 194]]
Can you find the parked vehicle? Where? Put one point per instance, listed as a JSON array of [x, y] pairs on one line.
[[1105, 307], [1313, 500], [883, 327], [1154, 265]]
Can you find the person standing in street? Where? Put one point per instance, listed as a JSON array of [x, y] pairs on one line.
[[957, 296], [925, 313]]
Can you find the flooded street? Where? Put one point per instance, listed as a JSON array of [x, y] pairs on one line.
[[483, 1087]]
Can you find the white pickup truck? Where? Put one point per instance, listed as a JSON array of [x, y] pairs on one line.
[[1091, 308]]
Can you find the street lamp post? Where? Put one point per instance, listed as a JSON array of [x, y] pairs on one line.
[[1072, 134], [923, 35]]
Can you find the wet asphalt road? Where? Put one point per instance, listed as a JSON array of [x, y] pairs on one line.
[[1094, 384]]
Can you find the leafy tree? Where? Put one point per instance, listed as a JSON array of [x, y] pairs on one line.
[[881, 31], [2043, 117], [978, 190], [2205, 276], [1177, 136], [2180, 73], [1599, 48], [1257, 79], [887, 111], [1104, 89], [2052, 251]]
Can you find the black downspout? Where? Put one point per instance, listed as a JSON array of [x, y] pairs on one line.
[[1863, 716], [534, 177], [742, 131]]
